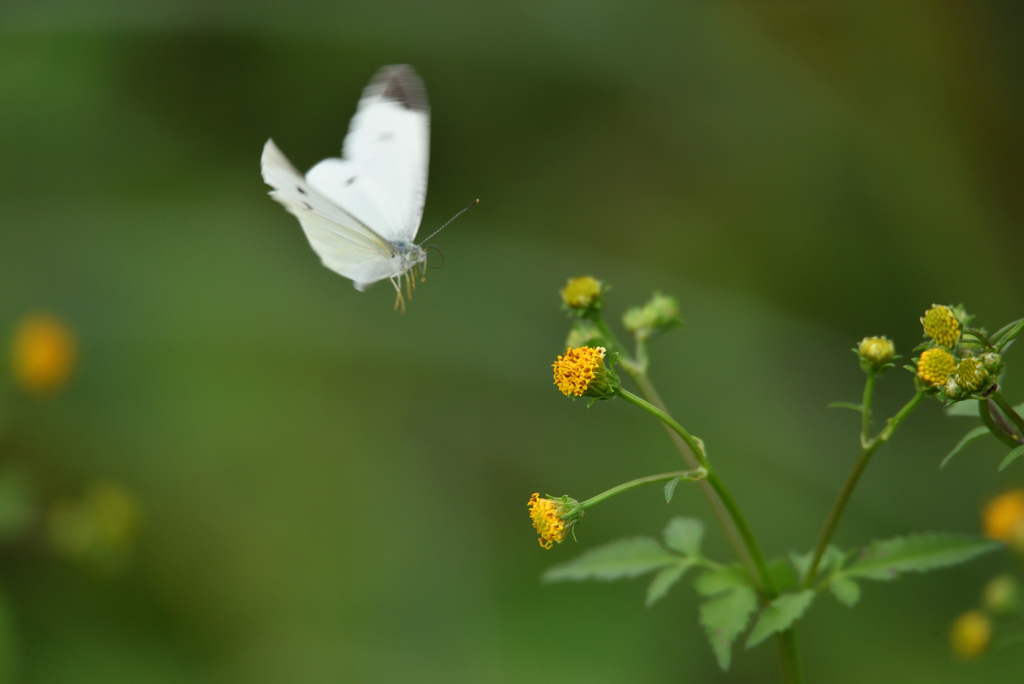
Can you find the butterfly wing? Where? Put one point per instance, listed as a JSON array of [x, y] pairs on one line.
[[344, 244], [382, 177]]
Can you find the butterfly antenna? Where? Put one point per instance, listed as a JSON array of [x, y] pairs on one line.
[[471, 205]]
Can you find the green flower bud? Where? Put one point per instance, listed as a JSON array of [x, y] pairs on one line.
[[584, 334], [1001, 595], [875, 353], [660, 313], [970, 374], [992, 363]]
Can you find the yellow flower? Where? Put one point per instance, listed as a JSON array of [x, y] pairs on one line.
[[935, 366], [971, 374], [1004, 515], [101, 525], [970, 635], [876, 352], [43, 354], [941, 324], [582, 371], [582, 293], [553, 518]]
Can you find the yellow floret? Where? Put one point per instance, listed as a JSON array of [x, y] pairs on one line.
[[576, 368], [547, 519], [941, 324], [935, 366], [1004, 515], [970, 635]]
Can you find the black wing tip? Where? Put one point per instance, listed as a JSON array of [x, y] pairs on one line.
[[400, 83]]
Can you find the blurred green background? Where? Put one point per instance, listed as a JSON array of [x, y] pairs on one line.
[[329, 491]]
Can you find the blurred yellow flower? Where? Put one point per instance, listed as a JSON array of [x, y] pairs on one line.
[[576, 368], [101, 525], [547, 516], [970, 635], [1004, 515], [44, 354], [941, 324], [582, 293], [935, 366]]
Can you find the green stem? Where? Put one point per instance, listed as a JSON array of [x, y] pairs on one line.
[[1005, 407], [789, 651], [998, 431], [867, 450], [865, 424], [691, 475], [1002, 339], [746, 534]]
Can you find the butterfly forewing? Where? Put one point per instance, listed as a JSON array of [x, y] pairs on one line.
[[382, 177]]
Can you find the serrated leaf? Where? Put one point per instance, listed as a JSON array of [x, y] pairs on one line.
[[684, 535], [724, 618], [847, 405], [885, 560], [967, 409], [670, 489], [801, 561], [617, 560], [664, 579], [974, 434], [779, 615], [719, 580], [1011, 457], [834, 559], [846, 590]]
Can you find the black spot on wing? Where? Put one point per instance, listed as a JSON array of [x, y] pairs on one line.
[[400, 83], [350, 181], [309, 207], [301, 191]]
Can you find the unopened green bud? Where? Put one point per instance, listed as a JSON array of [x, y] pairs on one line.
[[660, 313], [583, 295], [970, 374], [992, 363], [1001, 595], [875, 353], [584, 334]]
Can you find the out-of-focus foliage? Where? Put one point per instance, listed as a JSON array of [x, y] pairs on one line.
[[333, 492]]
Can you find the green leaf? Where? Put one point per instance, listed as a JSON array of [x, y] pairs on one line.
[[847, 405], [684, 535], [802, 562], [780, 615], [670, 489], [716, 581], [974, 434], [967, 408], [885, 560], [664, 580], [782, 575], [724, 618], [1011, 457], [846, 590], [619, 559]]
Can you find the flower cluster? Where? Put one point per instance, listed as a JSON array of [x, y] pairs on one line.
[[954, 364]]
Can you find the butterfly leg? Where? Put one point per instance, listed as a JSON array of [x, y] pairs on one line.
[[399, 299]]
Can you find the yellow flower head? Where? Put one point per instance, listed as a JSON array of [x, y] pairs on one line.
[[876, 352], [43, 354], [582, 371], [582, 293], [970, 635], [941, 324], [553, 518], [1004, 515], [971, 374], [935, 366]]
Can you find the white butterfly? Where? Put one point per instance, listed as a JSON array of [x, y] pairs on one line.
[[361, 212]]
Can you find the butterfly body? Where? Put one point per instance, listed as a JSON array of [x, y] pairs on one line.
[[361, 212]]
